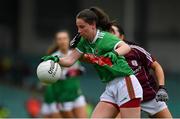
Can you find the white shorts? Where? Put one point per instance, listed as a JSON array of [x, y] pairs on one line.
[[121, 90], [68, 106], [47, 109], [152, 107]]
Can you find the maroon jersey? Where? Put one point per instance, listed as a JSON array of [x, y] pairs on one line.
[[140, 61]]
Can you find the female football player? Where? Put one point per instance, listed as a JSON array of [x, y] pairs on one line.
[[142, 62], [49, 107], [123, 91], [68, 95]]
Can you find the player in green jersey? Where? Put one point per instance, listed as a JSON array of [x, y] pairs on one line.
[[66, 91], [105, 51], [49, 107]]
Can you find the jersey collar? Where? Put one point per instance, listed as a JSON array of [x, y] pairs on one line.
[[96, 37]]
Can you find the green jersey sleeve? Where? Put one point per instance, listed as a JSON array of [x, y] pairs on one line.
[[111, 41]]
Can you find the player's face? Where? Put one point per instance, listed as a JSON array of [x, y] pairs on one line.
[[62, 40], [115, 31], [85, 29]]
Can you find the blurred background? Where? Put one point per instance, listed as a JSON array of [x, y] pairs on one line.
[[27, 29]]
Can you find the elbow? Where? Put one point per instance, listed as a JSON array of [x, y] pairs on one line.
[[127, 49], [123, 49], [156, 66]]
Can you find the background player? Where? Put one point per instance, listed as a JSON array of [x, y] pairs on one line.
[[49, 107], [142, 62], [123, 91], [67, 92]]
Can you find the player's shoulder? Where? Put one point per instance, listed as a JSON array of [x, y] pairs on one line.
[[137, 47], [141, 50], [101, 34], [108, 36]]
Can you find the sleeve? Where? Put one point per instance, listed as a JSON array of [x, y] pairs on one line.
[[146, 58], [111, 42], [117, 41], [80, 46]]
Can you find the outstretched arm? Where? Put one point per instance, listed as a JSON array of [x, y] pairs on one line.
[[162, 94], [70, 59]]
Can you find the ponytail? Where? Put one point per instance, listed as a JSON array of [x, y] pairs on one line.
[[97, 15], [116, 24], [103, 20]]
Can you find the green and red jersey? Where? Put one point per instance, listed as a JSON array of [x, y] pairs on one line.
[[103, 43]]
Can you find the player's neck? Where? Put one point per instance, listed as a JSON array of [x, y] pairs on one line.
[[93, 36]]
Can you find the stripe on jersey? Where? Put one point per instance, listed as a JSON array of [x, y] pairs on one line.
[[79, 50], [130, 87], [143, 51], [101, 35], [115, 47]]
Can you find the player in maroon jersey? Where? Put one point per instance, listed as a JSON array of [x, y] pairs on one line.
[[154, 92]]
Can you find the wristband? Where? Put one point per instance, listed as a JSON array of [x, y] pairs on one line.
[[162, 87]]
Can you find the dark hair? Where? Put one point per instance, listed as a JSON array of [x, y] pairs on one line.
[[97, 15], [120, 29]]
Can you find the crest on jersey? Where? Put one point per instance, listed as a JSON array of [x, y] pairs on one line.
[[134, 63]]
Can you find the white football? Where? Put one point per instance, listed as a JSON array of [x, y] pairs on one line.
[[48, 72]]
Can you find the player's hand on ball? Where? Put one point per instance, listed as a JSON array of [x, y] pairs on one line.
[[49, 57], [162, 95], [112, 55], [48, 72]]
